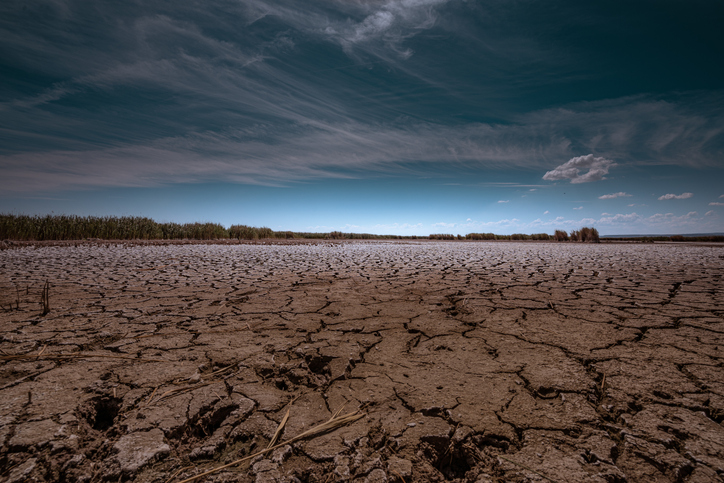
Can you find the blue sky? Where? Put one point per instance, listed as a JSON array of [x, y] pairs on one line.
[[379, 116]]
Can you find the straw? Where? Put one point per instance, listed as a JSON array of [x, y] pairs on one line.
[[333, 423]]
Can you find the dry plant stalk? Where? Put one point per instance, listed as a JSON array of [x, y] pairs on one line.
[[13, 357], [279, 430], [330, 425], [45, 298]]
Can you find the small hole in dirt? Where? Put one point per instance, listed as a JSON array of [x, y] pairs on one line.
[[101, 412]]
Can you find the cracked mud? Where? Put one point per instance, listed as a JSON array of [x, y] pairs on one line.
[[474, 362]]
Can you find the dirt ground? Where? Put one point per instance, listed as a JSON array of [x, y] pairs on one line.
[[471, 362]]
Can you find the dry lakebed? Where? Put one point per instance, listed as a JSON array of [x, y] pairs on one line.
[[422, 361]]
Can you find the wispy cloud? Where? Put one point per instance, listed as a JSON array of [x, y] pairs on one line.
[[716, 203], [671, 196], [595, 169], [273, 92], [611, 196], [503, 201], [579, 208]]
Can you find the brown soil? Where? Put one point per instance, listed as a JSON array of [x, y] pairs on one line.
[[474, 362]]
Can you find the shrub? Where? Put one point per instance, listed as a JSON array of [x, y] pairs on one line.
[[560, 235]]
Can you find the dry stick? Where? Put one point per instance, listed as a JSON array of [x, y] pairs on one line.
[[29, 376], [41, 351], [399, 476], [148, 401], [529, 469], [279, 430], [74, 356], [181, 390], [45, 298], [329, 425]]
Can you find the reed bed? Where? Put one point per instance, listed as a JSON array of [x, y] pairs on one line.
[[72, 227]]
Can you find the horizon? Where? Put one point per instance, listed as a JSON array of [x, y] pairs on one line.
[[388, 117]]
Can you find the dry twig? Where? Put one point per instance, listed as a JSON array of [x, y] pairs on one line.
[[333, 423]]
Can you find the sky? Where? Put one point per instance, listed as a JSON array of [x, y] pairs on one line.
[[405, 117]]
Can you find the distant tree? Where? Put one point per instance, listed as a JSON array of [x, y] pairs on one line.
[[560, 235]]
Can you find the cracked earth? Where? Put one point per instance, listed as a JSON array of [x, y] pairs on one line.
[[473, 362]]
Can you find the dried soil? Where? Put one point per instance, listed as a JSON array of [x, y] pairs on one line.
[[474, 362]]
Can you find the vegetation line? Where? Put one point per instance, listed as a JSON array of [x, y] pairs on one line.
[[72, 227]]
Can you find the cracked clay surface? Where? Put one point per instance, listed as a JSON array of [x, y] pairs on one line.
[[474, 362]]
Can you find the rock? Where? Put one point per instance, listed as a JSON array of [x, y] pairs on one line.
[[20, 473], [399, 467], [376, 476], [33, 433], [136, 450]]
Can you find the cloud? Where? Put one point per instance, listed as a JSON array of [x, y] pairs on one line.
[[721, 196], [716, 203], [546, 212], [272, 92], [671, 219], [503, 201], [710, 213], [672, 196], [620, 218], [597, 168], [579, 208], [620, 194], [388, 25]]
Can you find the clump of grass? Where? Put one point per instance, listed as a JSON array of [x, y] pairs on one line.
[[585, 234], [560, 235]]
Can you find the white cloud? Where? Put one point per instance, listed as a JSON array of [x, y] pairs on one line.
[[546, 212], [597, 169], [721, 196], [579, 208], [672, 220], [444, 225], [503, 201], [620, 194], [620, 219], [716, 203], [710, 213], [671, 196]]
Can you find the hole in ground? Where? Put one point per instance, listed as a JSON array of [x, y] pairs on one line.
[[101, 412]]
